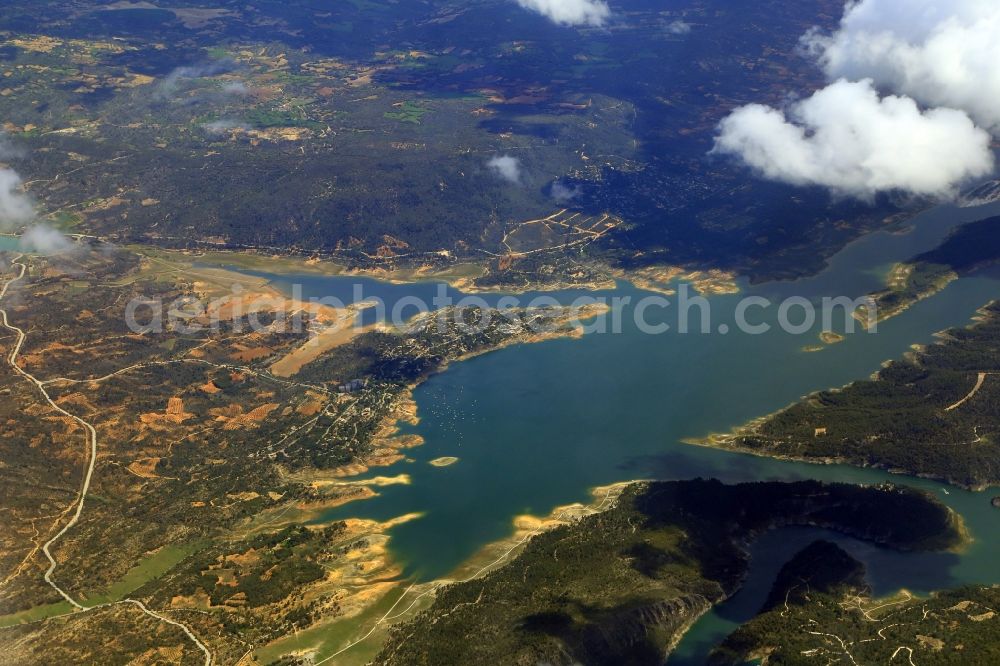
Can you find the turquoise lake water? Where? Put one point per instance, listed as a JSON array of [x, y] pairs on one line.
[[537, 426]]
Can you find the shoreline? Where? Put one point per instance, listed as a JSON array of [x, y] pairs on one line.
[[878, 297], [405, 410], [361, 583], [388, 442], [724, 443], [460, 276], [418, 596], [526, 526]]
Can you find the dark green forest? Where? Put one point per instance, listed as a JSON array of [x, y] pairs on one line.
[[923, 414], [619, 587]]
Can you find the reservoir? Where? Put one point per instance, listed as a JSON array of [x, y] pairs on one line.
[[536, 426]]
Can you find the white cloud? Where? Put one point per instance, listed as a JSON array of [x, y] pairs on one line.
[[223, 126], [8, 150], [570, 12], [678, 28], [235, 88], [849, 139], [506, 167], [561, 193], [16, 206], [43, 239], [169, 85], [939, 52], [936, 62]]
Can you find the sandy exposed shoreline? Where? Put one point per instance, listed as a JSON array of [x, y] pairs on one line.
[[370, 579], [373, 580], [526, 526], [460, 276]]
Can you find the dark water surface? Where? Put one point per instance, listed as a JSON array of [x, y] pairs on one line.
[[10, 243], [537, 426]]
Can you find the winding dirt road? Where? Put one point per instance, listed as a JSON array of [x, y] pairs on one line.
[[85, 488]]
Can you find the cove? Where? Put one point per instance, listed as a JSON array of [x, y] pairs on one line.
[[537, 426], [10, 243]]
